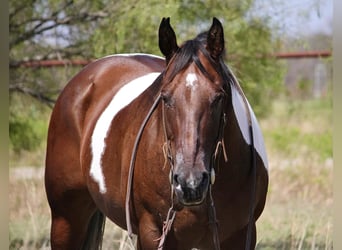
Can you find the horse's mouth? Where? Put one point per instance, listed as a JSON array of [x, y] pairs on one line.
[[190, 197]]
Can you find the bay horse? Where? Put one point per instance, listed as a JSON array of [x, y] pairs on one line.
[[168, 149]]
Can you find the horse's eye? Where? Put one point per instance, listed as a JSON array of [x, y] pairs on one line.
[[167, 100]]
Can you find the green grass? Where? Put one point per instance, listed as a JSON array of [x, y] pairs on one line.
[[298, 212], [298, 128], [29, 213], [291, 140]]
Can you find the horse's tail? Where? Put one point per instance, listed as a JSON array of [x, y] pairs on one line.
[[95, 232]]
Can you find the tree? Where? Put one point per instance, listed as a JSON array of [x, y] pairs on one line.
[[249, 40], [67, 29], [34, 27], [45, 29]]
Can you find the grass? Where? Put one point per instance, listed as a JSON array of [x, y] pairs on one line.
[[298, 212], [29, 214]]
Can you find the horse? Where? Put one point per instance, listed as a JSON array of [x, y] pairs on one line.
[[167, 148]]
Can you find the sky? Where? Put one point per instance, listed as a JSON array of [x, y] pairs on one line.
[[298, 17]]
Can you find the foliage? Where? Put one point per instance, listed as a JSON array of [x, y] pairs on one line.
[[47, 29], [249, 41], [23, 134], [66, 29], [27, 124]]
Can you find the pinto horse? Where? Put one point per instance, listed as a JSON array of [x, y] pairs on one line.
[[168, 149]]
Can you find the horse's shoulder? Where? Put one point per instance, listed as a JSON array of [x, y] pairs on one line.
[[108, 74], [88, 93]]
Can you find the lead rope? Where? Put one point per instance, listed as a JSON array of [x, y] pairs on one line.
[[171, 215], [220, 147], [131, 167], [213, 221]]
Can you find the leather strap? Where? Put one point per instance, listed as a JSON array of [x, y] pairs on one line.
[[131, 166]]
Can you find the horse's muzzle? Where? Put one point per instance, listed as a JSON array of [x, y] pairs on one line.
[[191, 189]]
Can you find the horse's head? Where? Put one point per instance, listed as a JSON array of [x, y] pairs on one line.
[[194, 94]]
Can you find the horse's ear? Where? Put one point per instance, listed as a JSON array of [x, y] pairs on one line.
[[215, 39], [167, 39]]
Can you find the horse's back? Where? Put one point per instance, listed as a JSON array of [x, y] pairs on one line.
[[78, 107]]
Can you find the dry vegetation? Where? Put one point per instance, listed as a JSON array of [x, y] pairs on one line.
[[298, 213]]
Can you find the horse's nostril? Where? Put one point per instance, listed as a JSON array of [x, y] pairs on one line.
[[175, 178], [194, 181], [205, 177]]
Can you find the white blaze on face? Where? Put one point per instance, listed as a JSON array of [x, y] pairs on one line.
[[179, 158], [121, 99], [241, 116], [191, 81]]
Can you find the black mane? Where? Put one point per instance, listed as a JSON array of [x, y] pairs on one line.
[[188, 53]]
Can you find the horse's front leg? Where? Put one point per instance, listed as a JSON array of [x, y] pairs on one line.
[[238, 240], [149, 234]]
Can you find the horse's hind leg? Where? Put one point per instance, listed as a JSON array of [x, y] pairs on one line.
[[71, 206], [71, 217]]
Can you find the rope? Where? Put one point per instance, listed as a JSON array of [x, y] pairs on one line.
[[171, 215], [213, 221]]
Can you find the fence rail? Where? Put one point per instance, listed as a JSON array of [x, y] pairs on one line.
[[82, 62]]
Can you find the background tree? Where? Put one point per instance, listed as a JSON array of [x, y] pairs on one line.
[[66, 29], [249, 40], [48, 29]]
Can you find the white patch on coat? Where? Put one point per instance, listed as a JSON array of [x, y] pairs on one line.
[[241, 115], [191, 81], [121, 99]]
